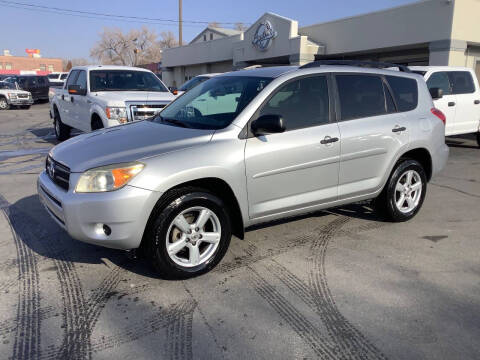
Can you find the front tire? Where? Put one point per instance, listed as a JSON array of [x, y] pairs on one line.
[[4, 105], [62, 131], [404, 193], [189, 233]]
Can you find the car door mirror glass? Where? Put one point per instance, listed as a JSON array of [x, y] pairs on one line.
[[268, 124], [436, 93]]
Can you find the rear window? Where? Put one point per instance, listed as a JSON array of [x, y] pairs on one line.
[[405, 92], [360, 96], [461, 82]]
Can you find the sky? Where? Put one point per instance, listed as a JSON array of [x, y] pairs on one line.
[[59, 35]]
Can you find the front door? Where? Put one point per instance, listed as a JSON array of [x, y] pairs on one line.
[[298, 168], [448, 103], [80, 108]]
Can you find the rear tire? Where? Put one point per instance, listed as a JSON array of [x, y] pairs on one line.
[[193, 256], [4, 105], [404, 193], [62, 131]]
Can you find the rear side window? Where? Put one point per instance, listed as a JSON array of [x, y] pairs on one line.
[[301, 103], [405, 92], [461, 82], [440, 80], [42, 80], [360, 96]]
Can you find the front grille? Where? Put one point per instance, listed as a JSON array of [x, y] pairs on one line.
[[22, 96], [59, 173], [144, 111]]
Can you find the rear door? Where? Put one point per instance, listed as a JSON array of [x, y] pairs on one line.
[[43, 86], [467, 115], [372, 130], [299, 167], [32, 85], [448, 103]]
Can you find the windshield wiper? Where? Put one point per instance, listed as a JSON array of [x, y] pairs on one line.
[[173, 122]]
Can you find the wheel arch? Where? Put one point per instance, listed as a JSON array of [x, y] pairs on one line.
[[95, 116], [423, 156], [217, 187]]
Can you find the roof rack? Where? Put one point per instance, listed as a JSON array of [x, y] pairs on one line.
[[370, 64]]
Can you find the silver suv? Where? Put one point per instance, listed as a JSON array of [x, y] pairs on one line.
[[243, 148]]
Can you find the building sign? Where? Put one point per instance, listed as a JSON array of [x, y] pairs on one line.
[[264, 35]]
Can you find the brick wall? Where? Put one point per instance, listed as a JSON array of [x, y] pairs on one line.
[[28, 63]]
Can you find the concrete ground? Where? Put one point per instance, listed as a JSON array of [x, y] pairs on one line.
[[340, 284]]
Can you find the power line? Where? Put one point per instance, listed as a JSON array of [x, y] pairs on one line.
[[64, 11]]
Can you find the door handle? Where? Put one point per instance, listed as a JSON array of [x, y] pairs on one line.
[[399, 129], [328, 140], [476, 102], [451, 103]]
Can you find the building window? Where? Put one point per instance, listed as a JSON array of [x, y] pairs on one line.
[[50, 68], [211, 36], [1, 66], [43, 67], [204, 37], [8, 66]]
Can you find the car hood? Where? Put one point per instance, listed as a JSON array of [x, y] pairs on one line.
[[12, 91], [118, 98], [125, 143]]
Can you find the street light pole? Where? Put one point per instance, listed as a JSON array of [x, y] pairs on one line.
[[180, 22]]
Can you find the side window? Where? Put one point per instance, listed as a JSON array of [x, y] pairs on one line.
[[301, 103], [360, 96], [32, 81], [82, 80], [72, 78], [41, 81], [462, 82], [440, 80], [405, 92]]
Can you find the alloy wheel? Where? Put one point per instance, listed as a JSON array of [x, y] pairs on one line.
[[408, 191], [3, 104], [193, 236]]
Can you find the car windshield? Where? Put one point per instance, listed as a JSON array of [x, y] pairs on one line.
[[53, 76], [63, 76], [7, 86], [213, 104], [192, 83], [125, 80]]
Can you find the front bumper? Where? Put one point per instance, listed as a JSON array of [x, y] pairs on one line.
[[20, 102], [125, 211]]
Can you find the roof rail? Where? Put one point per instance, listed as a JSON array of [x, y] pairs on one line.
[[370, 64]]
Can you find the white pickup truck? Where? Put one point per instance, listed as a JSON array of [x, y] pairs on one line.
[[94, 97], [458, 98]]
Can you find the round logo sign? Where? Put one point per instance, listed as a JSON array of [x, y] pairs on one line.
[[264, 35]]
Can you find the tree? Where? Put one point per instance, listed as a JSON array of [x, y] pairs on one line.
[[132, 48], [69, 63], [68, 66], [240, 26]]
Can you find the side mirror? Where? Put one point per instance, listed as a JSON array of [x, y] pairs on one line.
[[76, 90], [268, 124], [436, 93]]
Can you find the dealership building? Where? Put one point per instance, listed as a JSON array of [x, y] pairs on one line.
[[429, 32]]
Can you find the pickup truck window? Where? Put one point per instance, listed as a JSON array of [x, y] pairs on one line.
[[213, 104], [82, 80], [462, 82], [125, 80], [72, 78], [440, 80]]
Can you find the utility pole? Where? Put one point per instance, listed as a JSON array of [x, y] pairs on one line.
[[180, 22]]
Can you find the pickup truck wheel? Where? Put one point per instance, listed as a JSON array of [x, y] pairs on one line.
[[404, 193], [189, 234], [62, 131], [4, 105]]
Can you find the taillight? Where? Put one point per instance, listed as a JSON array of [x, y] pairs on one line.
[[439, 114]]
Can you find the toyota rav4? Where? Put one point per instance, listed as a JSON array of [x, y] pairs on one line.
[[248, 147]]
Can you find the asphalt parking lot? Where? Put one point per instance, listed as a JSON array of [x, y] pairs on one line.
[[340, 284]]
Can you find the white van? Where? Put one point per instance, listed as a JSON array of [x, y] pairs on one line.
[[461, 97]]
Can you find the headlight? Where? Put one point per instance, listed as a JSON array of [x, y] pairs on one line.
[[12, 96], [108, 178], [117, 113]]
